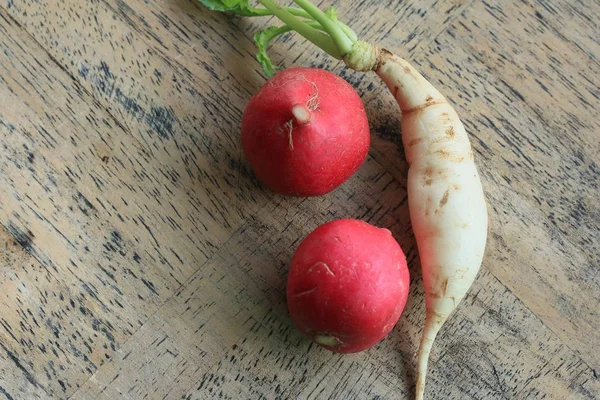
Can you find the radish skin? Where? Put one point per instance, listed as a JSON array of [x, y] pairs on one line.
[[347, 285], [305, 132], [447, 206]]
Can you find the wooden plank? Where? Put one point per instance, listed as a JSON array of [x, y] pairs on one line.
[[204, 48], [120, 228], [65, 232], [537, 153], [25, 287], [201, 345], [178, 30], [226, 301], [14, 382], [167, 138], [176, 116], [162, 116], [526, 92]]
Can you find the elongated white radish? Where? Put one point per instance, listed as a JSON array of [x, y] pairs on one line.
[[447, 206], [446, 200]]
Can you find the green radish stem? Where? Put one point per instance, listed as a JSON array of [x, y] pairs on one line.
[[314, 35], [298, 12], [337, 34], [340, 41]]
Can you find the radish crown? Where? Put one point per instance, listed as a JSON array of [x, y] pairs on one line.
[[320, 27]]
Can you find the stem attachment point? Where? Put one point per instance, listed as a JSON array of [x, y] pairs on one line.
[[301, 114], [362, 57]]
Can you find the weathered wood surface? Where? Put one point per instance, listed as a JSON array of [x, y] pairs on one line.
[[140, 258]]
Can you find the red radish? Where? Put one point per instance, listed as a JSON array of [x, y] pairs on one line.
[[305, 132], [347, 285]]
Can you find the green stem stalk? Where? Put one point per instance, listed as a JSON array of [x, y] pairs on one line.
[[285, 29], [348, 31], [317, 37], [339, 37], [298, 12]]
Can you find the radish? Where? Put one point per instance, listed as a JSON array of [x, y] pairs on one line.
[[347, 285], [446, 200], [305, 132]]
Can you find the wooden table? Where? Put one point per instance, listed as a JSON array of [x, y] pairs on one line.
[[141, 259]]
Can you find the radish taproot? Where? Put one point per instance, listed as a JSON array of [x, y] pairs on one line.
[[347, 285], [305, 132], [447, 205]]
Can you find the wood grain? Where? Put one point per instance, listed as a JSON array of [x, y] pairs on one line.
[[498, 347], [546, 256], [100, 224], [142, 259]]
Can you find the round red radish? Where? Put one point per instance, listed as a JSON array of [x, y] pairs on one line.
[[305, 132], [347, 285]]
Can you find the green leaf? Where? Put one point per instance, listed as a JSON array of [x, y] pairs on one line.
[[263, 39], [237, 7]]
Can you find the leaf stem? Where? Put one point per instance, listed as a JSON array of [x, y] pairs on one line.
[[335, 31], [325, 42], [298, 12]]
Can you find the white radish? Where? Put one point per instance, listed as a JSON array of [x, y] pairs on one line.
[[447, 206], [446, 200]]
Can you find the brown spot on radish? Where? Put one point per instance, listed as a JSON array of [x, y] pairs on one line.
[[427, 206], [440, 139], [411, 71], [443, 154], [428, 182], [430, 103], [428, 98], [450, 132], [428, 171], [444, 119], [444, 199], [383, 56], [415, 142], [456, 187], [309, 291], [444, 286]]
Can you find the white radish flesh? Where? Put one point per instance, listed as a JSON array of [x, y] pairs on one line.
[[447, 206]]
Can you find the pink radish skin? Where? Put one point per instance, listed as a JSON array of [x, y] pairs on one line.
[[305, 132], [347, 285]]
